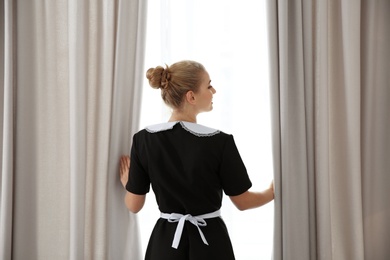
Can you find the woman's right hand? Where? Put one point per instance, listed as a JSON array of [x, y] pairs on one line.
[[124, 167]]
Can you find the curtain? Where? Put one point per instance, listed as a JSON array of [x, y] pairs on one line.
[[71, 74], [330, 86], [6, 128]]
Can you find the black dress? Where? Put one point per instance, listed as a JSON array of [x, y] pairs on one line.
[[188, 166]]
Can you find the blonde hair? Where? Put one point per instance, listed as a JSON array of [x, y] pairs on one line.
[[176, 80]]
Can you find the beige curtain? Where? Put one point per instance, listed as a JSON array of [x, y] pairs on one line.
[[330, 91], [71, 73]]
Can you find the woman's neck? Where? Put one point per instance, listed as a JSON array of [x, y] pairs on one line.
[[182, 116]]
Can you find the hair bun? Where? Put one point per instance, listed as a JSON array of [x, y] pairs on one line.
[[158, 77]]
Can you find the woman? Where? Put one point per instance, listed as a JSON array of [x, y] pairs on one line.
[[188, 166]]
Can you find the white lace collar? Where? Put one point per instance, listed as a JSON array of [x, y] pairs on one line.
[[193, 128]]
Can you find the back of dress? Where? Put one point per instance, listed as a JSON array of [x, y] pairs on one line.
[[188, 166]]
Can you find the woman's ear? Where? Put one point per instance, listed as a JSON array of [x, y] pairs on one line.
[[190, 97]]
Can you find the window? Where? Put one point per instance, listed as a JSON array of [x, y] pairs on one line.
[[229, 38]]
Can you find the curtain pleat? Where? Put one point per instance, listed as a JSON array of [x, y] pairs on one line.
[[7, 128], [344, 110], [376, 128], [78, 120], [328, 86], [322, 185], [75, 81]]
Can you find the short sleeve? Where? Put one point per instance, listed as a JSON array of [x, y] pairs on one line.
[[139, 182], [233, 173]]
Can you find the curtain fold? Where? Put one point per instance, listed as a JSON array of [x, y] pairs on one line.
[[329, 84], [375, 42], [7, 127], [76, 79]]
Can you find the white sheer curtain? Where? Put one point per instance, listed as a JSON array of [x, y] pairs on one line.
[[71, 75], [212, 33], [330, 88]]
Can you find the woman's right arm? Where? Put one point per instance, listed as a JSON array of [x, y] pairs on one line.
[[134, 202]]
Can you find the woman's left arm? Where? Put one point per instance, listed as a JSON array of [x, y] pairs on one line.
[[251, 199]]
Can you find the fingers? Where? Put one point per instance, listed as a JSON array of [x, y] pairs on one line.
[[127, 161], [124, 166], [272, 188]]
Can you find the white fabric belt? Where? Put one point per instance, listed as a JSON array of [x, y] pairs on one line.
[[198, 221]]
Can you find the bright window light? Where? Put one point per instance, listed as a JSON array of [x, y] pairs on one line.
[[230, 39]]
